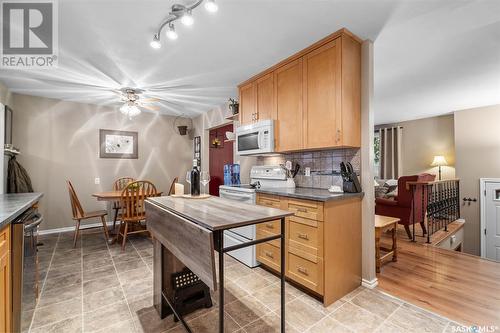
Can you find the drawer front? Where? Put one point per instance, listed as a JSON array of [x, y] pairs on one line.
[[268, 201], [305, 272], [269, 255], [305, 238], [4, 241], [307, 209], [271, 227], [262, 233]]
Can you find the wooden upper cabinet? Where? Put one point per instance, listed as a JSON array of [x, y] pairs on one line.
[[314, 96], [264, 87], [322, 96], [247, 103], [289, 115]]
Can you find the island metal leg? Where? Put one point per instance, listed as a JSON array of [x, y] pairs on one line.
[[221, 281]]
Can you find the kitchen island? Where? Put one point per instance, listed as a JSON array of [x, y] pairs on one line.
[[187, 231]]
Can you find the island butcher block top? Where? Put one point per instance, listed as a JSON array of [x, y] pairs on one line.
[[218, 214]]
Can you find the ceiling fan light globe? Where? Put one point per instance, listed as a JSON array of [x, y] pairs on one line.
[[211, 6]]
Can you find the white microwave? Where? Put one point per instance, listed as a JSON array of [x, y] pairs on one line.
[[256, 138]]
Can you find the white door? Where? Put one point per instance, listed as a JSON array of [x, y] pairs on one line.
[[492, 225]]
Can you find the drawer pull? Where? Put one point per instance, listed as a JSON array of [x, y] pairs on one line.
[[302, 270], [303, 210], [269, 254], [269, 225], [303, 236]]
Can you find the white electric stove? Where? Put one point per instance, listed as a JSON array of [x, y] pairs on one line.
[[269, 176]]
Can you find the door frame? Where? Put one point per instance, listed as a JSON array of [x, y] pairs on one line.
[[482, 203]]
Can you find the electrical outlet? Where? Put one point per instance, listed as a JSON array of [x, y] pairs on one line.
[[97, 181], [308, 172]]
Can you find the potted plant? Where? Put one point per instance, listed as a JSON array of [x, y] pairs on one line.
[[234, 106]]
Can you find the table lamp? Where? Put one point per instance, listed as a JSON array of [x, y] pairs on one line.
[[439, 161]]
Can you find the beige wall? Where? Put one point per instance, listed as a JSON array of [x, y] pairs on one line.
[[5, 95], [425, 138], [477, 148], [60, 140]]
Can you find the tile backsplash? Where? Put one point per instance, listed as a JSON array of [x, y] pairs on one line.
[[324, 164]]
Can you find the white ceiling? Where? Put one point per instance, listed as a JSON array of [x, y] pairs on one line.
[[431, 56]]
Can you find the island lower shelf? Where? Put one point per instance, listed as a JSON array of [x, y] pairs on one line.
[[323, 244]]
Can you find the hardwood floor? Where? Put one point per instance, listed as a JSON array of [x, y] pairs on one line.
[[459, 286]]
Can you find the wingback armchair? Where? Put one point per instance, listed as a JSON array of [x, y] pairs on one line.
[[401, 205]]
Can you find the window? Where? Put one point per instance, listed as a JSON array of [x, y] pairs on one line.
[[376, 158]]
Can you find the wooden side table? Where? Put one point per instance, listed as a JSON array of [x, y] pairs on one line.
[[382, 224]]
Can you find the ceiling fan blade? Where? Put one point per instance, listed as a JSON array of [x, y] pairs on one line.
[[150, 100], [150, 107]]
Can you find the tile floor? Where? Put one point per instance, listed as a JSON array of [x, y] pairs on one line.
[[97, 288]]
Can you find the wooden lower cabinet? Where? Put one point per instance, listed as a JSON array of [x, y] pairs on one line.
[[5, 281], [323, 244]]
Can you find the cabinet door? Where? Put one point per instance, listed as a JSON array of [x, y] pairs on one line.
[[323, 97], [265, 97], [247, 103], [5, 301], [288, 91]]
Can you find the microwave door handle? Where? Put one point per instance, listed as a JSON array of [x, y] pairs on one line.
[[259, 140]]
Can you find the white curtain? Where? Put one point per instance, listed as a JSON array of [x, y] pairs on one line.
[[390, 152]]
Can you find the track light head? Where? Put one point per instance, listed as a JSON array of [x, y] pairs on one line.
[[171, 33], [187, 18], [155, 43], [211, 6]]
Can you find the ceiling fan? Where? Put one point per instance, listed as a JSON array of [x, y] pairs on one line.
[[133, 102]]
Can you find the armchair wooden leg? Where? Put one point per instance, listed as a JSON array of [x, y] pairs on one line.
[[424, 230], [124, 236], [408, 231], [77, 230], [105, 227]]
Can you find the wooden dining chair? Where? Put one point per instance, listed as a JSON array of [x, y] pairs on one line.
[[79, 214], [132, 208], [172, 186], [119, 185]]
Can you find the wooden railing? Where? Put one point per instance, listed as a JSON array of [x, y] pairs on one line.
[[439, 201]]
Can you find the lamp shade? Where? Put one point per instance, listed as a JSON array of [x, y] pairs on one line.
[[439, 161]]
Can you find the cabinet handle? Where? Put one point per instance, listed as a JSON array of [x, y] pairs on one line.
[[302, 270], [303, 236], [303, 210], [338, 135], [269, 225], [269, 254]]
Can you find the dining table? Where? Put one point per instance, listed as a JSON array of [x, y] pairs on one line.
[[110, 197]]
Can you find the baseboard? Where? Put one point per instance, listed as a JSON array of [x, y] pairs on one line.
[[370, 284], [72, 228]]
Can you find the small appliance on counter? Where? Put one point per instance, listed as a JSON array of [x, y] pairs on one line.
[[270, 176], [350, 179], [231, 174]]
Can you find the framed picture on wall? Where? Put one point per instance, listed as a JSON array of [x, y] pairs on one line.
[[197, 148], [118, 144]]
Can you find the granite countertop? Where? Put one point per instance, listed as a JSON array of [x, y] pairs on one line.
[[309, 193], [13, 205]]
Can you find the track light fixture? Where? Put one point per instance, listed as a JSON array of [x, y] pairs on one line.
[[184, 13]]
